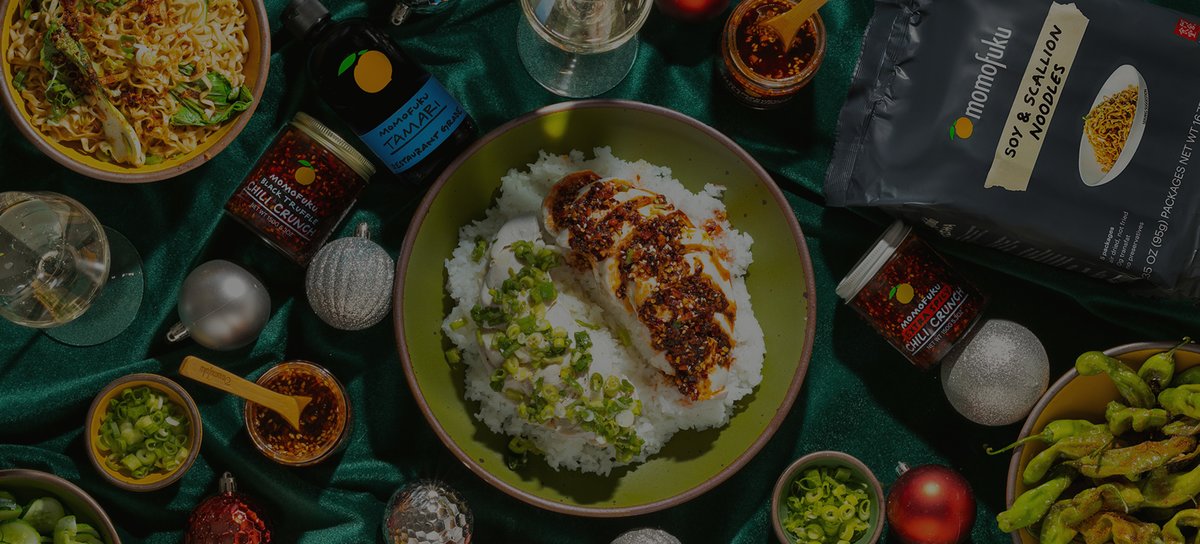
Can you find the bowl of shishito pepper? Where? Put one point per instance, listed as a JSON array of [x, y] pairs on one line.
[[1112, 451]]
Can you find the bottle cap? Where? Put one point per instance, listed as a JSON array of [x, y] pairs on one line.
[[301, 15]]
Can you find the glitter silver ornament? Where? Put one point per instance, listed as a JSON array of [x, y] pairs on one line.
[[646, 536], [427, 512], [221, 306], [996, 375], [349, 282]]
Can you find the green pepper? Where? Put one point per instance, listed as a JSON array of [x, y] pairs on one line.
[[1032, 505], [1169, 490], [1071, 447], [1132, 388], [1189, 376], [1133, 460], [1186, 518], [66, 531], [1159, 369], [1121, 419], [1119, 529], [9, 509], [1182, 427], [1059, 526], [1053, 432], [1181, 401]]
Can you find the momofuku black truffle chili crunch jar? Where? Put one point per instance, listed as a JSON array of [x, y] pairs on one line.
[[912, 296], [301, 188]]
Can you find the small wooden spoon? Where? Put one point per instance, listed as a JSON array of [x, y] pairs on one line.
[[209, 374], [788, 23]]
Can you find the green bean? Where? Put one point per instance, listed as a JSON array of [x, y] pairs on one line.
[[1132, 388]]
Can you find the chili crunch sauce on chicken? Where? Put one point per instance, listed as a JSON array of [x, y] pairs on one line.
[[658, 265]]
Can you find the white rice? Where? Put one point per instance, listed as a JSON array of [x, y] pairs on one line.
[[664, 410]]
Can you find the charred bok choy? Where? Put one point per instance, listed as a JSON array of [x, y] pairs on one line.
[[143, 432], [1133, 478], [62, 56]]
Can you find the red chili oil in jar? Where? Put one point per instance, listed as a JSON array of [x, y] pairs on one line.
[[324, 422], [301, 188], [912, 296], [756, 67]]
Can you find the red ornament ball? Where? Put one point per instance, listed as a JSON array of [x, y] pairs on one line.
[[931, 504], [227, 518], [692, 10]]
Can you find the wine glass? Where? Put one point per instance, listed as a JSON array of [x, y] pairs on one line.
[[55, 262], [580, 48]]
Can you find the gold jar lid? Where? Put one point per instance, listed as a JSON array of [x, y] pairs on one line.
[[331, 141]]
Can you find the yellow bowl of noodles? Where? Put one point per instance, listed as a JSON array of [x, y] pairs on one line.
[[132, 91]]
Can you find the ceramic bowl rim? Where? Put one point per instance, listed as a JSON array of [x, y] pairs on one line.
[[258, 11], [58, 482], [725, 473], [854, 464], [1014, 463], [197, 434]]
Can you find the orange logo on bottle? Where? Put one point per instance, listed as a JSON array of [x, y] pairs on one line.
[[962, 128], [902, 293], [372, 70], [306, 174]]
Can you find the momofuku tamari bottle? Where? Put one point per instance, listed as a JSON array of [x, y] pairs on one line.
[[397, 108]]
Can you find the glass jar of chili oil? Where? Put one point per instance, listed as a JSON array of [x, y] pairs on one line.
[[301, 188]]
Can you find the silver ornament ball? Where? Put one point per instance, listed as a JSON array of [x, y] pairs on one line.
[[997, 375], [427, 512], [646, 536], [222, 306], [349, 282]]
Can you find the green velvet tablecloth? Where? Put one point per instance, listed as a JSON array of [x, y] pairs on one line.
[[860, 396]]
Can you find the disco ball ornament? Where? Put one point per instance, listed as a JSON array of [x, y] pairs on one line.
[[227, 517], [221, 306], [349, 282], [647, 536], [427, 512], [997, 375]]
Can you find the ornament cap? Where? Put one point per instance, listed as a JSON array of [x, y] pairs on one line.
[[178, 333], [901, 468], [363, 230], [227, 483]]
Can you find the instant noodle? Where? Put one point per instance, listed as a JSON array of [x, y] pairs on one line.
[[1062, 133]]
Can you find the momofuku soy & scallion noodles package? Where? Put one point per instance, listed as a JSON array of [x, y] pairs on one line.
[[1061, 132]]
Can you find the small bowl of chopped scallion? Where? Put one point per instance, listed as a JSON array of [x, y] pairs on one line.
[[827, 497], [143, 432]]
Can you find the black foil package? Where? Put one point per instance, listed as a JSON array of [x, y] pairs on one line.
[[1063, 133]]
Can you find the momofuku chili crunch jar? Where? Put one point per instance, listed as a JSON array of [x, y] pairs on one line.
[[755, 66], [912, 297], [301, 188]]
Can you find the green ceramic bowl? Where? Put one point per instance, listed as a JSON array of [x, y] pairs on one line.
[[831, 459], [780, 283]]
